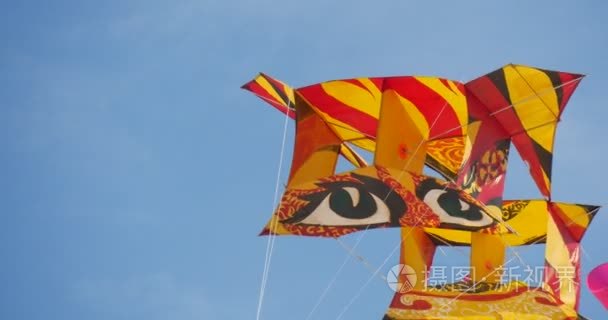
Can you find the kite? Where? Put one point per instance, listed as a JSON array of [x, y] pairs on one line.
[[597, 281], [462, 131]]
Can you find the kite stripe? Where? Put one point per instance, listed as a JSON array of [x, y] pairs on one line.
[[335, 109]]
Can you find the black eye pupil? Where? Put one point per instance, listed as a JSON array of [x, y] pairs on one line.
[[450, 203], [341, 202]]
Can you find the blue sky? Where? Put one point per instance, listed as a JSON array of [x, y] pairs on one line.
[[136, 173]]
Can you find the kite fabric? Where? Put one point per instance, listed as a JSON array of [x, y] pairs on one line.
[[597, 281], [464, 132]]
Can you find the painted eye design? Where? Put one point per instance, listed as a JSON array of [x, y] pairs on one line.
[[349, 206], [349, 203], [451, 207]]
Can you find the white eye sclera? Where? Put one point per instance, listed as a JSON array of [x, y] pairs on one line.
[[354, 198], [456, 213]]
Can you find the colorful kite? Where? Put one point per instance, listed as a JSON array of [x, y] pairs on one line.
[[463, 131], [597, 281]]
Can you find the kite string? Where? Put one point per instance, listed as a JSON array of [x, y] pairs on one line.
[[351, 252], [273, 222], [369, 280]]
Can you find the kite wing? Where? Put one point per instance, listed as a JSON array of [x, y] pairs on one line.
[[527, 103], [351, 107], [437, 107], [275, 92], [281, 96]]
